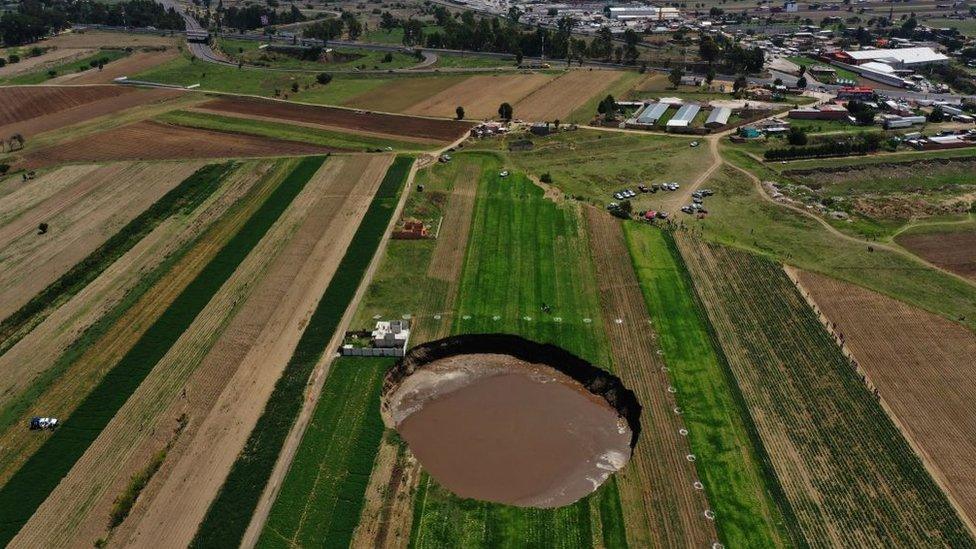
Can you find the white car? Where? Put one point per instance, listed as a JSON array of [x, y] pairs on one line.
[[503, 173]]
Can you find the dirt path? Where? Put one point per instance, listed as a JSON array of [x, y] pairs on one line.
[[682, 197], [240, 371], [660, 504], [893, 248]]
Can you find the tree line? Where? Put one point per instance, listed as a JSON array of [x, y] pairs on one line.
[[33, 20]]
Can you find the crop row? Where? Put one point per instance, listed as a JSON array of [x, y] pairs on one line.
[[322, 495], [183, 198], [32, 483], [229, 514], [729, 458], [849, 473]]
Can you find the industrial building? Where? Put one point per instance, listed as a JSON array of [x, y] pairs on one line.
[[823, 112], [623, 13], [898, 59]]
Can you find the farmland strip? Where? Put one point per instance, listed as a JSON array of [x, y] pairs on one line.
[[70, 370], [661, 506], [742, 488], [849, 474], [185, 197], [321, 498], [28, 488], [230, 512]]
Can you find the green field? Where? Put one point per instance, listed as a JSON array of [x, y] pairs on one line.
[[741, 488], [42, 75], [188, 71], [230, 513], [524, 251], [591, 165], [322, 495], [347, 58], [846, 469], [32, 483], [965, 26], [739, 217], [289, 132], [341, 89]]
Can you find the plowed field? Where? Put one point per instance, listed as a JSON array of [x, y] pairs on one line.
[[921, 365], [127, 66], [560, 97], [481, 95], [390, 125], [149, 140], [955, 251], [37, 109]]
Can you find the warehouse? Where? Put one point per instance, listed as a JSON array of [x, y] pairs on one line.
[[684, 116], [904, 58]]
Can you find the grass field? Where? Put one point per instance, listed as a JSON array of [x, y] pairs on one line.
[[341, 89], [847, 470], [42, 75], [620, 89], [230, 513], [808, 62], [349, 141], [322, 495], [741, 487], [591, 165], [187, 71], [739, 217], [30, 485], [525, 251], [346, 58], [965, 26]]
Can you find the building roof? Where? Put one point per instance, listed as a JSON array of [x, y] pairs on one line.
[[877, 66], [652, 113], [684, 116], [906, 56], [719, 115]]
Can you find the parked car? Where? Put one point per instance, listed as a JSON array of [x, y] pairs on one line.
[[642, 188], [694, 143], [503, 173], [41, 423]]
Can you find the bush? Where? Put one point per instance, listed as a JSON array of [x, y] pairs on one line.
[[546, 178], [862, 144], [15, 59], [797, 136], [323, 78], [4, 168]]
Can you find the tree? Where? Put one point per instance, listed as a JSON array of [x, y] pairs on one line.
[[710, 75], [294, 87], [675, 77], [388, 22], [607, 107], [631, 39], [413, 32], [796, 136], [937, 114], [323, 78], [556, 124], [708, 49], [739, 85], [514, 14], [505, 111], [801, 82], [459, 112]]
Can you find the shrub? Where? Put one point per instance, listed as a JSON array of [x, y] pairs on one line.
[[323, 78]]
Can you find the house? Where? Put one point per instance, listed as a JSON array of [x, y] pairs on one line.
[[823, 112], [412, 229], [391, 334]]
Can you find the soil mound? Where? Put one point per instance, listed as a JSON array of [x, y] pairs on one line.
[[503, 419]]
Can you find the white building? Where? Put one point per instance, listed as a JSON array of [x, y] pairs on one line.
[[902, 58], [624, 13]]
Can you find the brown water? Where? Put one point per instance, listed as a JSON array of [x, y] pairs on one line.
[[494, 428]]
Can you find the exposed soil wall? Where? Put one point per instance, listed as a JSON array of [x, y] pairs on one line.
[[597, 381]]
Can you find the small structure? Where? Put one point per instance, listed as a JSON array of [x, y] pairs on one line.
[[684, 116], [652, 113], [412, 229], [827, 111], [388, 338], [718, 117]]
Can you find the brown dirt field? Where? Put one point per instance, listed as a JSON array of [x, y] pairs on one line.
[[560, 97], [401, 93], [45, 343], [284, 301], [954, 251], [921, 365], [119, 193], [661, 508], [480, 95], [127, 66], [148, 140], [16, 444], [107, 39], [51, 57], [18, 103], [385, 124], [452, 241], [112, 105], [21, 196]]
